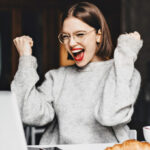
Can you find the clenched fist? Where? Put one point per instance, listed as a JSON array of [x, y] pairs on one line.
[[24, 45], [135, 35]]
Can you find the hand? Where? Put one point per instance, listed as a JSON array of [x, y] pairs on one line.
[[129, 44], [135, 35], [24, 45]]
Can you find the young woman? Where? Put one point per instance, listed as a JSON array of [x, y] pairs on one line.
[[91, 101]]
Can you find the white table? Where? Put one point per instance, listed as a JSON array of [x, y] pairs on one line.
[[101, 146]]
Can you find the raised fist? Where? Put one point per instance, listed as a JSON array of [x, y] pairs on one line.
[[135, 35], [24, 45]]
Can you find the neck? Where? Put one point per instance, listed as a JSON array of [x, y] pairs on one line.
[[96, 58]]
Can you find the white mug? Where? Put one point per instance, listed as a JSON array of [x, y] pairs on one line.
[[146, 133]]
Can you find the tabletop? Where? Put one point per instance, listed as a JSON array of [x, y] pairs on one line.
[[101, 146]]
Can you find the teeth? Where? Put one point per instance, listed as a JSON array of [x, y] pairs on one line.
[[76, 51]]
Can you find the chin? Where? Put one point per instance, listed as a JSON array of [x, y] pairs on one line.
[[81, 64]]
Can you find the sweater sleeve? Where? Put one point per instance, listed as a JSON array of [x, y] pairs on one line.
[[122, 84], [35, 104]]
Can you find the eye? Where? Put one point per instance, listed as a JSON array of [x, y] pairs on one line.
[[80, 34], [64, 36]]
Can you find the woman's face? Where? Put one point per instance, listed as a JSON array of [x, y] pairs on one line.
[[82, 41]]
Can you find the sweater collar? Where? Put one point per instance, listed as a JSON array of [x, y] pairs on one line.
[[94, 66]]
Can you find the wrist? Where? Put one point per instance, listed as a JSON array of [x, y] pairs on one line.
[[25, 53]]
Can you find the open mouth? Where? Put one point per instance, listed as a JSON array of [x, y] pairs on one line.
[[78, 54]]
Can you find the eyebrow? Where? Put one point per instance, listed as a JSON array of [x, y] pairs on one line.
[[75, 31]]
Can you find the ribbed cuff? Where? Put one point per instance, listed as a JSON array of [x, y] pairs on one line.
[[128, 46], [27, 62], [126, 41]]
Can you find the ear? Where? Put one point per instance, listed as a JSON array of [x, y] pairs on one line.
[[98, 36]]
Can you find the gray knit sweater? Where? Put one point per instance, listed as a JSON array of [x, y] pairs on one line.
[[81, 105]]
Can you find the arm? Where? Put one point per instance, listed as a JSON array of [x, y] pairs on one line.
[[35, 104], [122, 84]]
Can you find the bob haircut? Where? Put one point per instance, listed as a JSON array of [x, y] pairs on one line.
[[91, 15]]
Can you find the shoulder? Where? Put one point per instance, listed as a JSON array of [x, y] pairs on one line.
[[59, 72]]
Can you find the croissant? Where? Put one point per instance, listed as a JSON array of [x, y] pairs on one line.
[[131, 145]]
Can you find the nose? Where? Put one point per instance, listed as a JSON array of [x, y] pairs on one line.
[[72, 42]]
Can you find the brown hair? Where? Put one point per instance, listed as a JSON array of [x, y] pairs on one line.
[[91, 15]]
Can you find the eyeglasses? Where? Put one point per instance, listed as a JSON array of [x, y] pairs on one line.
[[79, 36]]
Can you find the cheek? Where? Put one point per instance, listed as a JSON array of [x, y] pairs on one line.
[[91, 43], [91, 46]]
